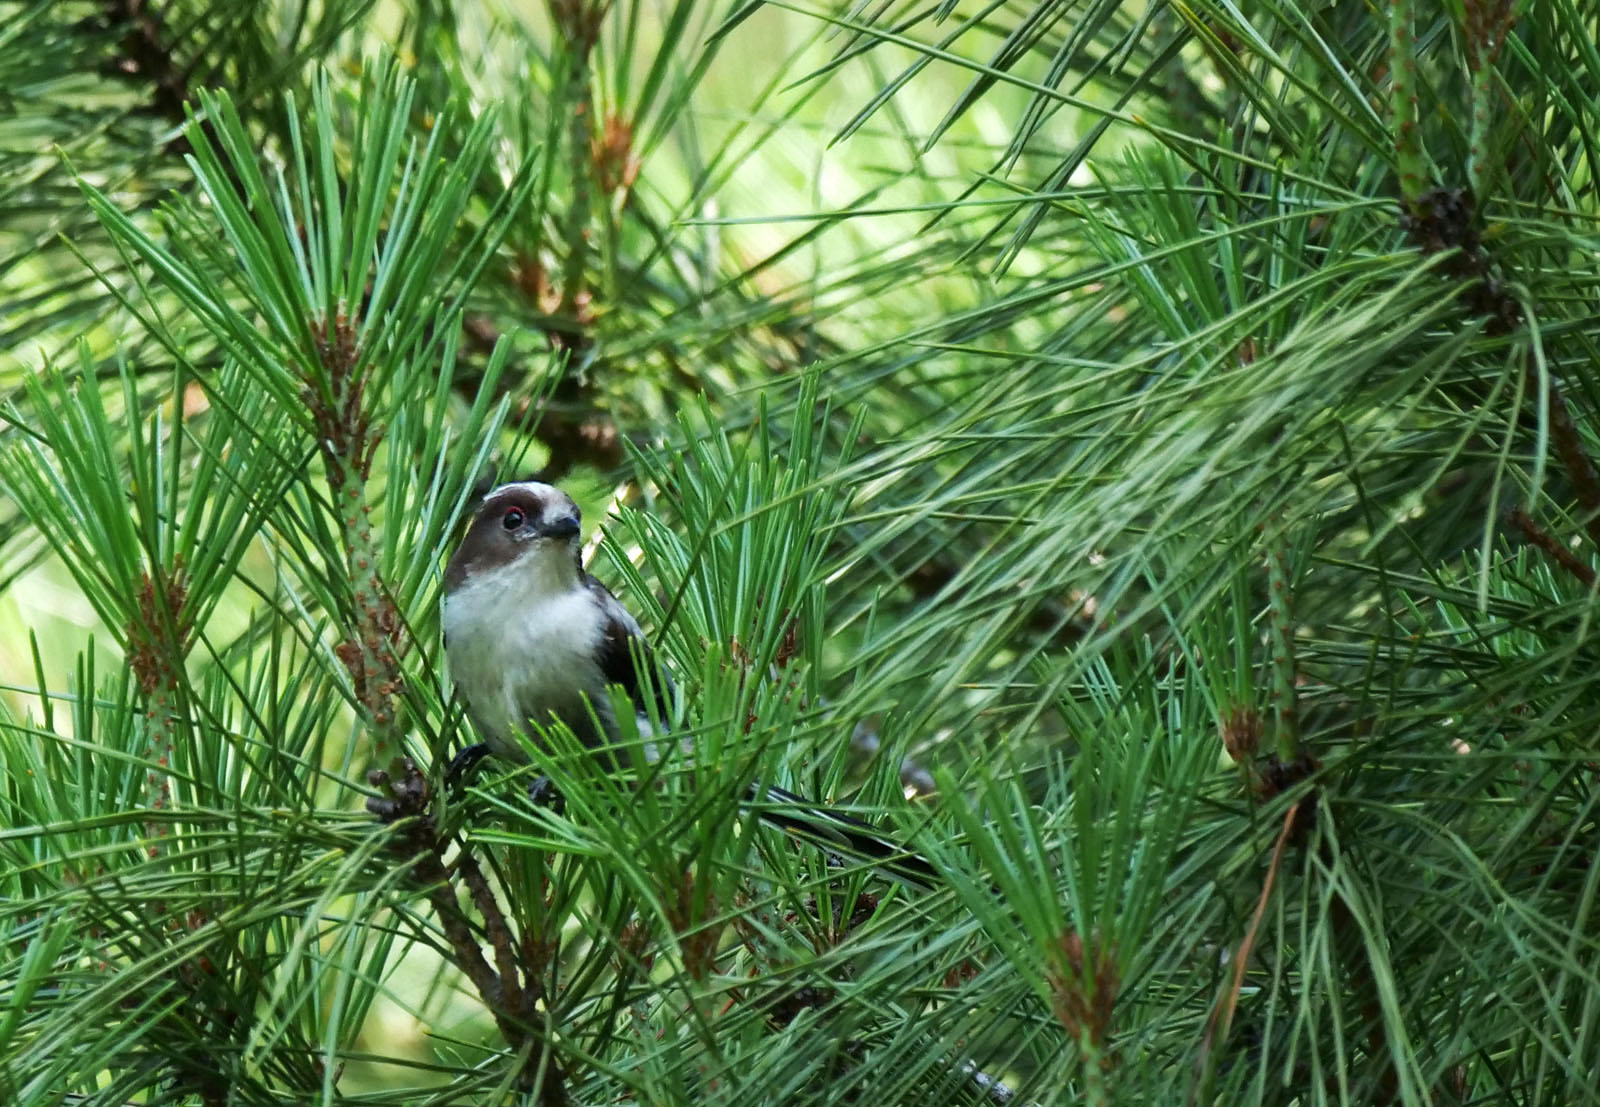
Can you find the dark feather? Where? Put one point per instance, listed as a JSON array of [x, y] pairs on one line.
[[624, 654]]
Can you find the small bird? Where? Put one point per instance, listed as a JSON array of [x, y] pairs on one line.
[[531, 636]]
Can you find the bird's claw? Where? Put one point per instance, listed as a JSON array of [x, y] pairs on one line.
[[462, 764], [544, 793]]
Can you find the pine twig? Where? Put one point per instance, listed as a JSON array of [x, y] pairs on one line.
[[1538, 536], [145, 54], [1410, 159], [1575, 459], [407, 803], [513, 995]]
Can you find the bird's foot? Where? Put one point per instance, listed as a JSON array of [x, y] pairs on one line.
[[462, 764], [544, 793]]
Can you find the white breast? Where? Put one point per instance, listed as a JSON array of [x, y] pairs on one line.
[[517, 655]]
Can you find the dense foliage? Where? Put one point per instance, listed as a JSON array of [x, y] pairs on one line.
[[1139, 454]]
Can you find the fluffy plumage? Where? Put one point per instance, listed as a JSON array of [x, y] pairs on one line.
[[530, 635]]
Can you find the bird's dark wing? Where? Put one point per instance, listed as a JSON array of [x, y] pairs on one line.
[[624, 654]]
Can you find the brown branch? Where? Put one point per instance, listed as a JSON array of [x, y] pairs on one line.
[[146, 55], [406, 801], [1569, 448], [576, 436], [431, 871], [590, 439], [512, 994], [1538, 536], [1445, 219], [1222, 1015]]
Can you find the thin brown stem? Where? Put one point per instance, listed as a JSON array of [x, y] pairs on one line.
[[145, 54], [1574, 458], [405, 804], [430, 871], [494, 923], [1538, 536], [1222, 1017]]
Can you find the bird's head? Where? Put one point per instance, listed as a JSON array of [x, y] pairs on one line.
[[528, 527]]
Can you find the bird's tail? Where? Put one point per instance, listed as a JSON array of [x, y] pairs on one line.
[[839, 832]]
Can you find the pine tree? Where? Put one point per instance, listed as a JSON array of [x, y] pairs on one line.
[[1139, 456]]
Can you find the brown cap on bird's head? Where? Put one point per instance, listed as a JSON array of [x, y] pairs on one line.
[[514, 521]]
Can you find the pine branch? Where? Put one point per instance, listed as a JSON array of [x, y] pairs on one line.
[[407, 807]]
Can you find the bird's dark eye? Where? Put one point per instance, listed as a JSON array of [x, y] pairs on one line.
[[512, 519]]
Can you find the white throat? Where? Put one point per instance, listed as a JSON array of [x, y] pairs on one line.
[[521, 639], [544, 571]]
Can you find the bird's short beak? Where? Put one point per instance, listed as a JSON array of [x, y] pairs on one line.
[[563, 526]]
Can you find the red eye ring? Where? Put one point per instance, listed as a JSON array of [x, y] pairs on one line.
[[513, 518]]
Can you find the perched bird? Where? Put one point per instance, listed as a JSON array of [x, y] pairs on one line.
[[531, 636]]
